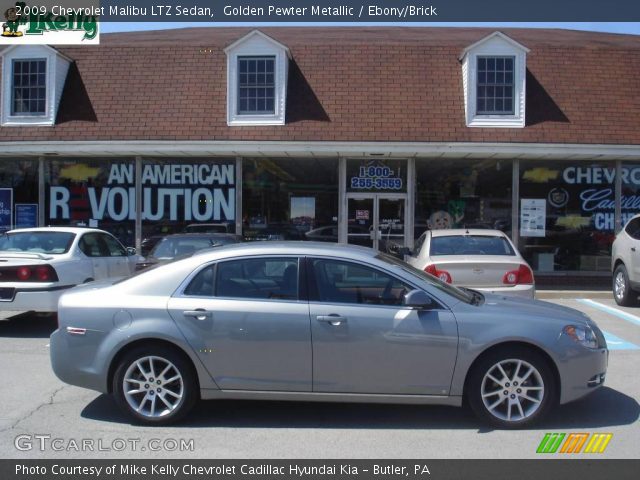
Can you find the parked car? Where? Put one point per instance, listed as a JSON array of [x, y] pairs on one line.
[[180, 244], [273, 233], [625, 263], [317, 321], [358, 235], [210, 228], [480, 259], [154, 233], [38, 264]]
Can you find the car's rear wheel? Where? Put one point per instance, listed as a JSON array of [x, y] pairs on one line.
[[155, 385], [512, 388], [623, 294]]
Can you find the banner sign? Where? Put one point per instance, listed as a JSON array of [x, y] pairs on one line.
[[200, 192]]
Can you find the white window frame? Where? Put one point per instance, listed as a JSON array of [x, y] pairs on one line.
[[257, 44], [256, 58], [30, 52], [495, 45]]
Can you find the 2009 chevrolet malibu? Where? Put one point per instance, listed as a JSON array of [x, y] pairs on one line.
[[312, 321]]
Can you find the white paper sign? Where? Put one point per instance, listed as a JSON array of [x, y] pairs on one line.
[[533, 214]]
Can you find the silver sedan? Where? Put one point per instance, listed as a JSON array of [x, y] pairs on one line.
[[485, 260], [313, 321]]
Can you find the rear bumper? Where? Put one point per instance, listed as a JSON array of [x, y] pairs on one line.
[[36, 299], [520, 291], [73, 362]]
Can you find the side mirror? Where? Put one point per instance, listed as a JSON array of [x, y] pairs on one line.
[[131, 251], [417, 299], [404, 251]]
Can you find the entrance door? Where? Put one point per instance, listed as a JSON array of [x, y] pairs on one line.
[[377, 221]]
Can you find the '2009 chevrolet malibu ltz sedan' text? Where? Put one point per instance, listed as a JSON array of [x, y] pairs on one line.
[[312, 321]]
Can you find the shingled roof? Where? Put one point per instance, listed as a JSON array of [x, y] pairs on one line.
[[345, 84]]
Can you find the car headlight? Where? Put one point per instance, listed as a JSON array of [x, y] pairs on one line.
[[584, 335]]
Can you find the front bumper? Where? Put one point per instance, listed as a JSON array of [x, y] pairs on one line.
[[582, 371], [36, 299]]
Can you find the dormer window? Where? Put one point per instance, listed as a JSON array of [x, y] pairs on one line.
[[33, 77], [257, 70], [29, 88], [495, 86], [494, 72], [256, 85]]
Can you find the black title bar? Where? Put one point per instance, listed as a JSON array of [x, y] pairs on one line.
[[352, 11], [574, 469]]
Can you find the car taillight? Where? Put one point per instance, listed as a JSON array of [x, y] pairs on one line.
[[45, 273], [23, 273], [441, 274], [522, 276], [37, 273]]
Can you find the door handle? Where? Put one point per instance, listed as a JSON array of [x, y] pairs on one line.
[[332, 319], [198, 314], [633, 249]]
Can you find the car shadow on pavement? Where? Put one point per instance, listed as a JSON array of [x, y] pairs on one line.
[[28, 325], [604, 408]]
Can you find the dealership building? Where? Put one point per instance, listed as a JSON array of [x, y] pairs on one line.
[[360, 135]]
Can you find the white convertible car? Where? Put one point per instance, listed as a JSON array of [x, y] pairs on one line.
[[38, 264]]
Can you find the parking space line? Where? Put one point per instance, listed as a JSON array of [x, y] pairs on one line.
[[611, 310], [617, 343]]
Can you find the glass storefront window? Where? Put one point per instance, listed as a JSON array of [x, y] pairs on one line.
[[290, 199], [92, 192], [567, 215], [463, 194], [630, 202], [19, 193], [195, 192]]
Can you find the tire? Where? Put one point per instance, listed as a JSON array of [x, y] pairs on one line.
[[621, 287], [534, 388], [155, 403]]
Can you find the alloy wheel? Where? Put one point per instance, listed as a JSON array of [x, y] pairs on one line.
[[512, 390], [153, 386], [620, 285]]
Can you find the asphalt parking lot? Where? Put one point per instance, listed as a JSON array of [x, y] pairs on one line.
[[40, 411]]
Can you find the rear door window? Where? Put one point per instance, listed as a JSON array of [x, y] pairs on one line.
[[258, 278]]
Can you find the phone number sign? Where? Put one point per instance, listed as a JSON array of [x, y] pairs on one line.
[[376, 178]]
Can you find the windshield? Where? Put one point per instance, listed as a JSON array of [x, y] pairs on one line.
[[470, 245], [463, 296], [37, 242]]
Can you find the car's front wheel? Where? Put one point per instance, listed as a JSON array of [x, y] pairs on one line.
[[623, 294], [512, 388], [155, 385]]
